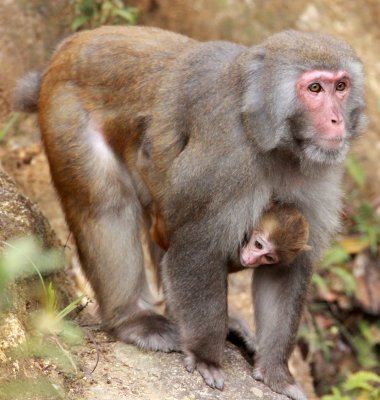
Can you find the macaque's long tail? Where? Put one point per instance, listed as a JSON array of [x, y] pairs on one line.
[[27, 91]]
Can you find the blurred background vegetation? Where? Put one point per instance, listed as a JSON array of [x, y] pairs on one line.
[[340, 333]]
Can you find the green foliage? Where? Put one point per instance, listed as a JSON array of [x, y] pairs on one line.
[[346, 278], [326, 325], [21, 257], [22, 389], [93, 13], [362, 384], [318, 340], [321, 282], [335, 255], [366, 220], [356, 171], [336, 395], [365, 342], [367, 223], [334, 260], [49, 335]]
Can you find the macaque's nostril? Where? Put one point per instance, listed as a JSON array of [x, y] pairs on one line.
[[334, 121]]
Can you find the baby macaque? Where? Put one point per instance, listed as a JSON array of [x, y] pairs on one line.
[[281, 234]]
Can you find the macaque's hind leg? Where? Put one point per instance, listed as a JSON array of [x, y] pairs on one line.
[[147, 329], [197, 299], [279, 296], [109, 243], [104, 214]]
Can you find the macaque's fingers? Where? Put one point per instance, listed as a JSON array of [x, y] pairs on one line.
[[213, 376], [150, 331], [190, 363], [258, 375], [279, 385]]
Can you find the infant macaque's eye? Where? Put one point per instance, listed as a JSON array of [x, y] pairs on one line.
[[269, 258], [258, 245]]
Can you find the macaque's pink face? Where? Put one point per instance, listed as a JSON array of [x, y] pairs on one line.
[[258, 251], [323, 94]]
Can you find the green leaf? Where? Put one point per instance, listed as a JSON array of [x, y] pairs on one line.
[[25, 257], [71, 307], [320, 282], [365, 214], [335, 255], [346, 277], [71, 334], [44, 349], [356, 171], [79, 21], [361, 380], [336, 395], [51, 298], [87, 8], [370, 332], [365, 355], [373, 237], [130, 15]]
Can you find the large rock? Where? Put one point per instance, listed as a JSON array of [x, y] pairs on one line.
[[20, 217], [126, 373]]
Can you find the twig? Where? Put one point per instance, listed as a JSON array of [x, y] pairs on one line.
[[93, 341]]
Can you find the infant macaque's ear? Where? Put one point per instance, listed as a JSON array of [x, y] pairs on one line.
[[306, 248]]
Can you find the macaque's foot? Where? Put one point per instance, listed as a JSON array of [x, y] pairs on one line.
[[149, 331], [211, 374], [280, 381], [240, 334]]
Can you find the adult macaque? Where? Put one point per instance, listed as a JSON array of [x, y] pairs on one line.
[[208, 133], [281, 233]]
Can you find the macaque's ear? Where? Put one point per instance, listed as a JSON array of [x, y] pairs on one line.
[[306, 248], [252, 70], [258, 119]]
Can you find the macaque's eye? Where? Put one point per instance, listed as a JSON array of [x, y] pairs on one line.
[[340, 86], [258, 245], [270, 258], [315, 87], [245, 240]]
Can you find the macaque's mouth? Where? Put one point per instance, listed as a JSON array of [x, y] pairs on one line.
[[334, 143]]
